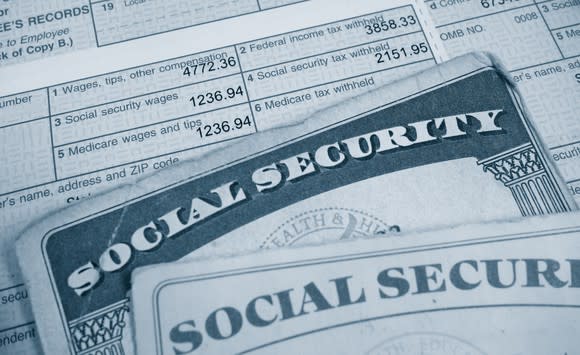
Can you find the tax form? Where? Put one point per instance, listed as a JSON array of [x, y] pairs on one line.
[[539, 42], [122, 111], [31, 30]]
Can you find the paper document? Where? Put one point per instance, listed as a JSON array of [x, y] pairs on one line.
[[499, 288], [120, 112], [539, 42], [31, 30], [376, 164]]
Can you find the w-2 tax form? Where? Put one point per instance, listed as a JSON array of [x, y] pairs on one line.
[[80, 123]]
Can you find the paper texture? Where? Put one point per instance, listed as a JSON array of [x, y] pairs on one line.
[[499, 288], [77, 124], [415, 155]]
